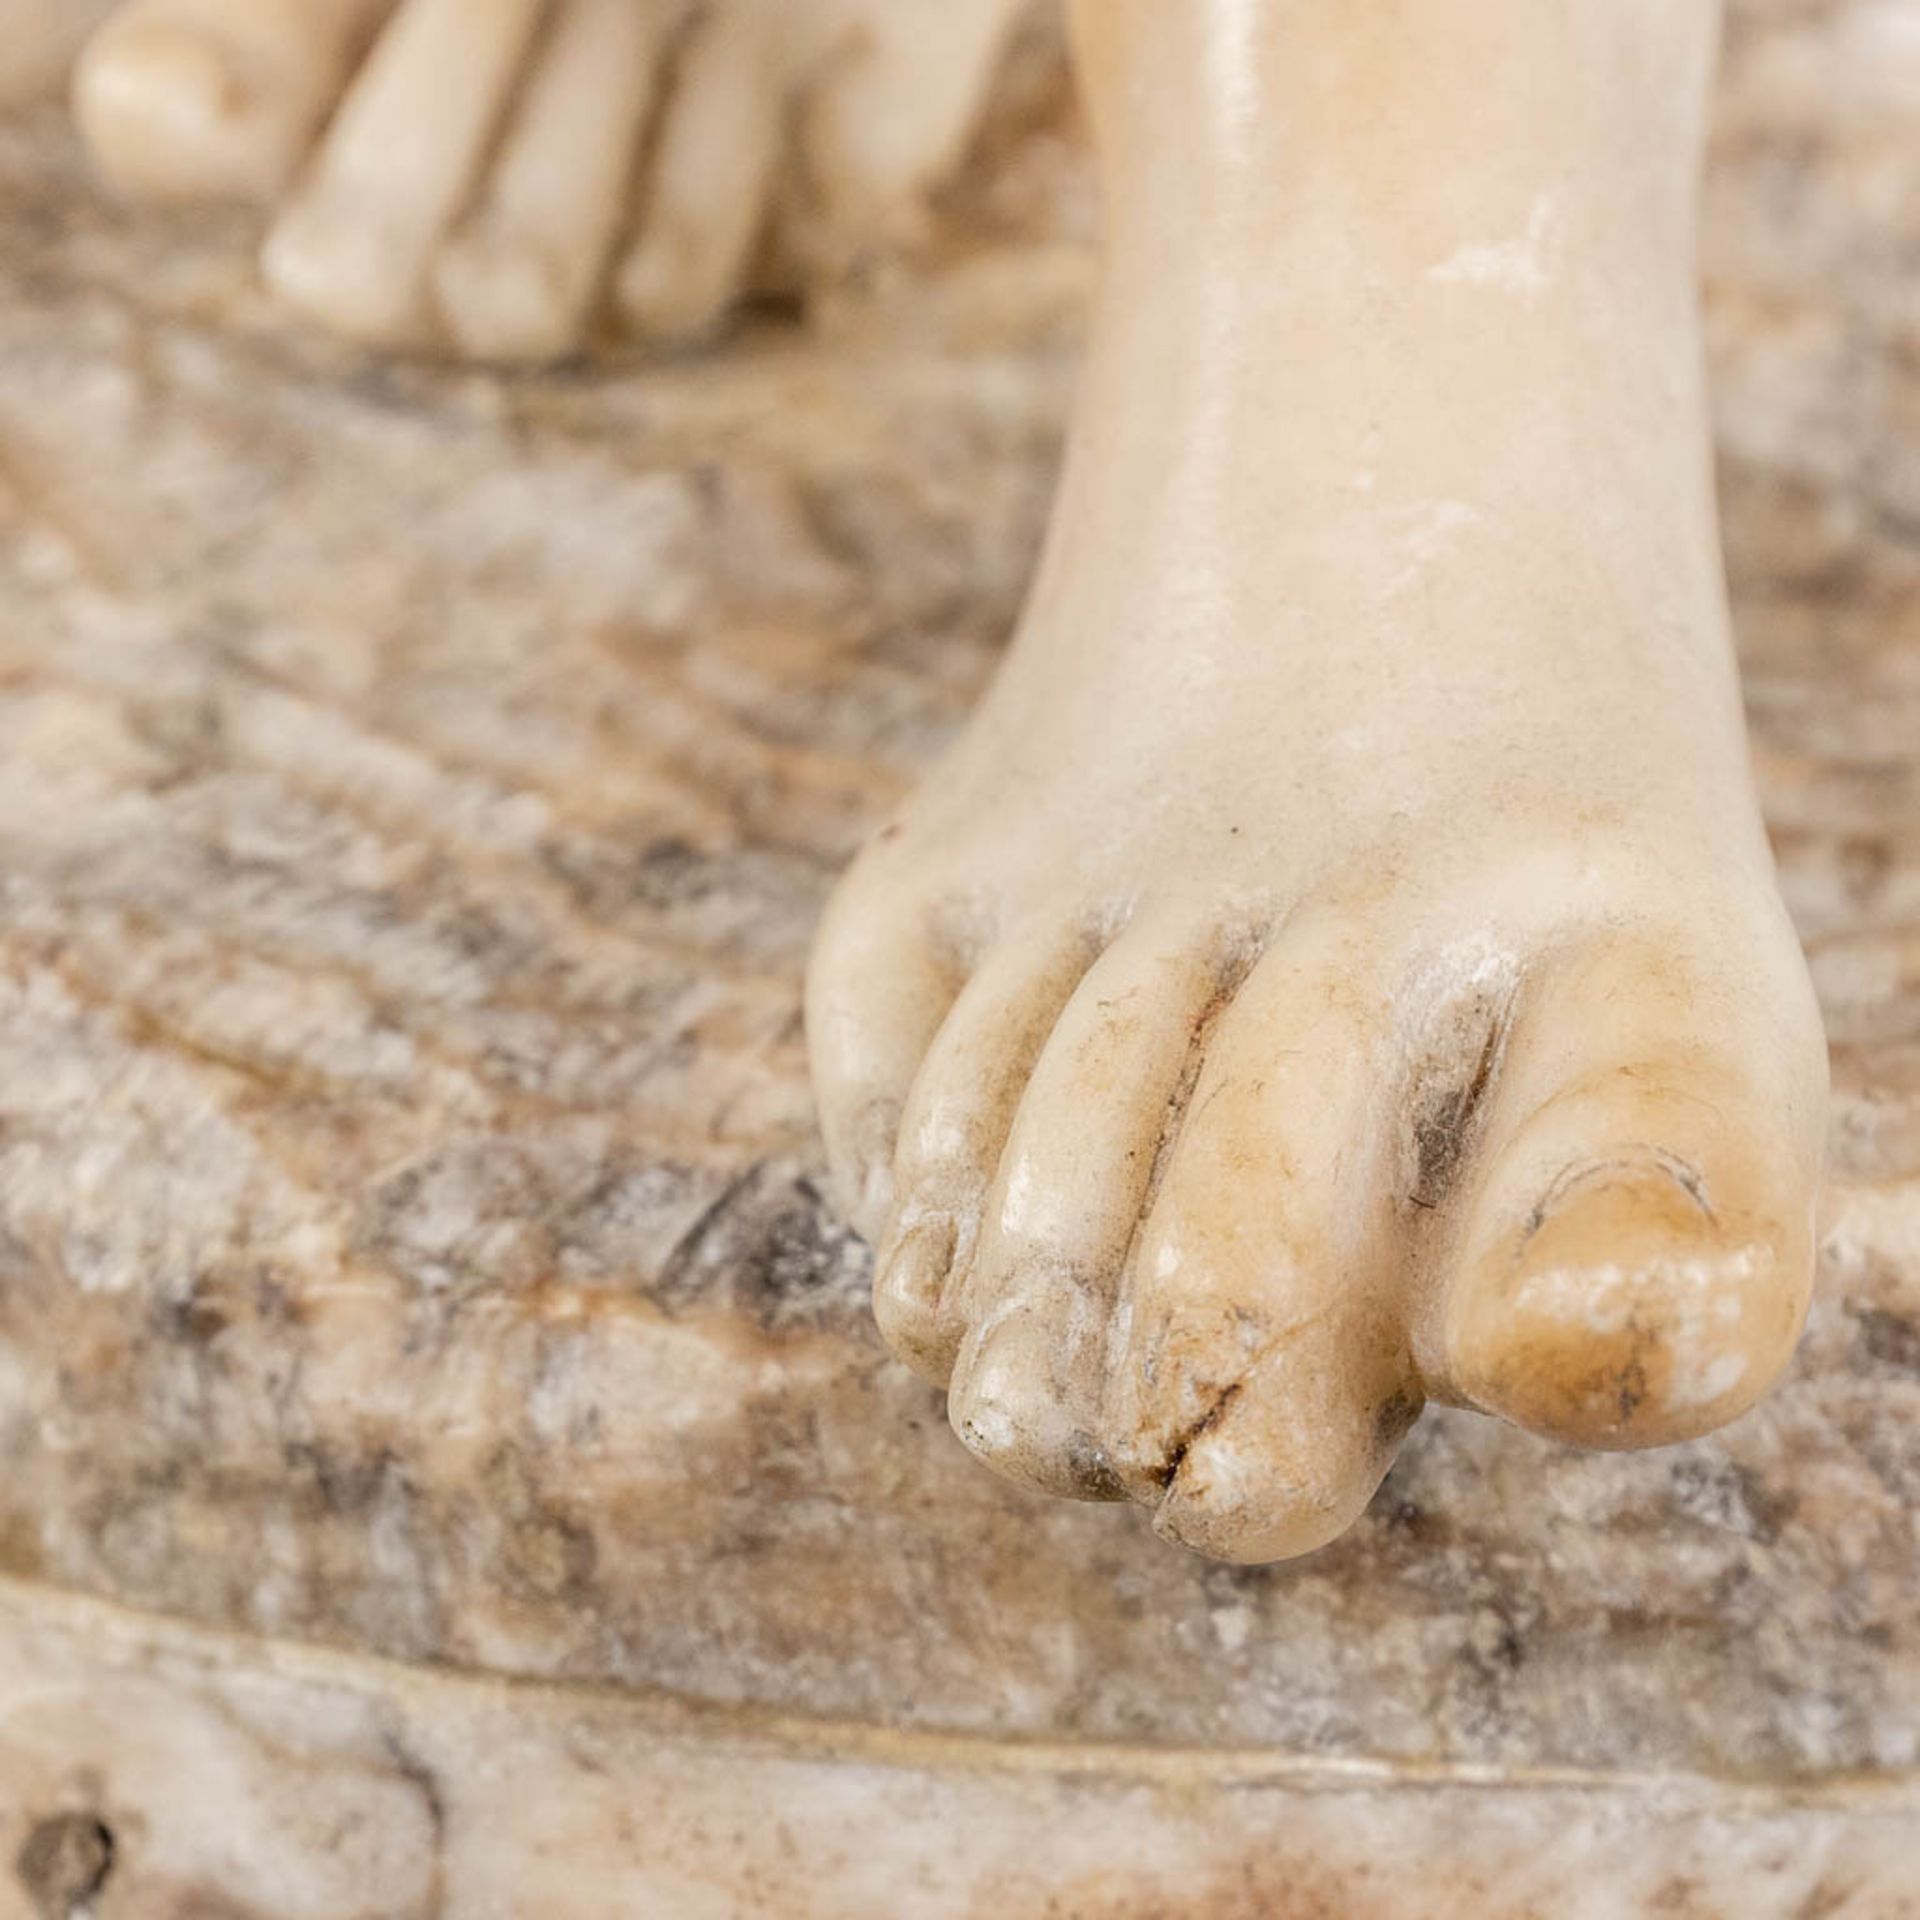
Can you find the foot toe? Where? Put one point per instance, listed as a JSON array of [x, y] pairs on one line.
[[1025, 1388], [1637, 1259], [1065, 1206], [519, 279], [334, 257], [1290, 1453], [911, 1268], [883, 974], [954, 1130], [504, 296], [712, 173], [353, 248], [169, 112], [1643, 1295], [1262, 1383], [895, 110]]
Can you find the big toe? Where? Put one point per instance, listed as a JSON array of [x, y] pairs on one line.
[[1642, 1295], [1636, 1264], [169, 111]]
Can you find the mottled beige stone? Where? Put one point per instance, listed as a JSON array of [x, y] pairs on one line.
[[183, 1774], [418, 791]]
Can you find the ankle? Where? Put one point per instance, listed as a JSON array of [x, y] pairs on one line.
[[1314, 136]]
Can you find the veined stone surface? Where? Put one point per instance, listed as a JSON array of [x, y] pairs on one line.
[[176, 1775], [415, 793]]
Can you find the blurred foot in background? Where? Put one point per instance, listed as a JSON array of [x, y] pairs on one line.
[[492, 176], [38, 42]]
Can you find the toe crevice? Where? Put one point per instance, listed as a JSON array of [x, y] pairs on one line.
[[1234, 963], [1176, 1455], [1452, 1083], [1622, 1168]]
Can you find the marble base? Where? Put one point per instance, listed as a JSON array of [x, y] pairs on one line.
[[162, 1770]]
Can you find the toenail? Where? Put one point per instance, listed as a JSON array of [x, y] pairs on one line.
[[1664, 1173], [1630, 1310], [913, 1269]]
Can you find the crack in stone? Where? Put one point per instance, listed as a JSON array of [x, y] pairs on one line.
[[1169, 1470]]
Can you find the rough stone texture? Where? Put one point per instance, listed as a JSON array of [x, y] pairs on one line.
[[169, 1774], [415, 793]]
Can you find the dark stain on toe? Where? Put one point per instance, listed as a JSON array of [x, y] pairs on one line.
[[1169, 1468], [1092, 1472], [1630, 1390], [1443, 1119], [1394, 1420]]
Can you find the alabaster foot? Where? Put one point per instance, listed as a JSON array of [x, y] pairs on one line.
[[484, 173], [38, 42], [1341, 966]]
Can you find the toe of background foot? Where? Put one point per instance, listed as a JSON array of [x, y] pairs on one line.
[[892, 117], [500, 296], [166, 114]]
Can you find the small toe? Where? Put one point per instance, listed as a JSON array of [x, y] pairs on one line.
[[517, 281], [896, 108], [1037, 1300], [880, 981], [954, 1131], [336, 260], [353, 247], [1636, 1264], [713, 165], [1261, 1380], [506, 295]]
